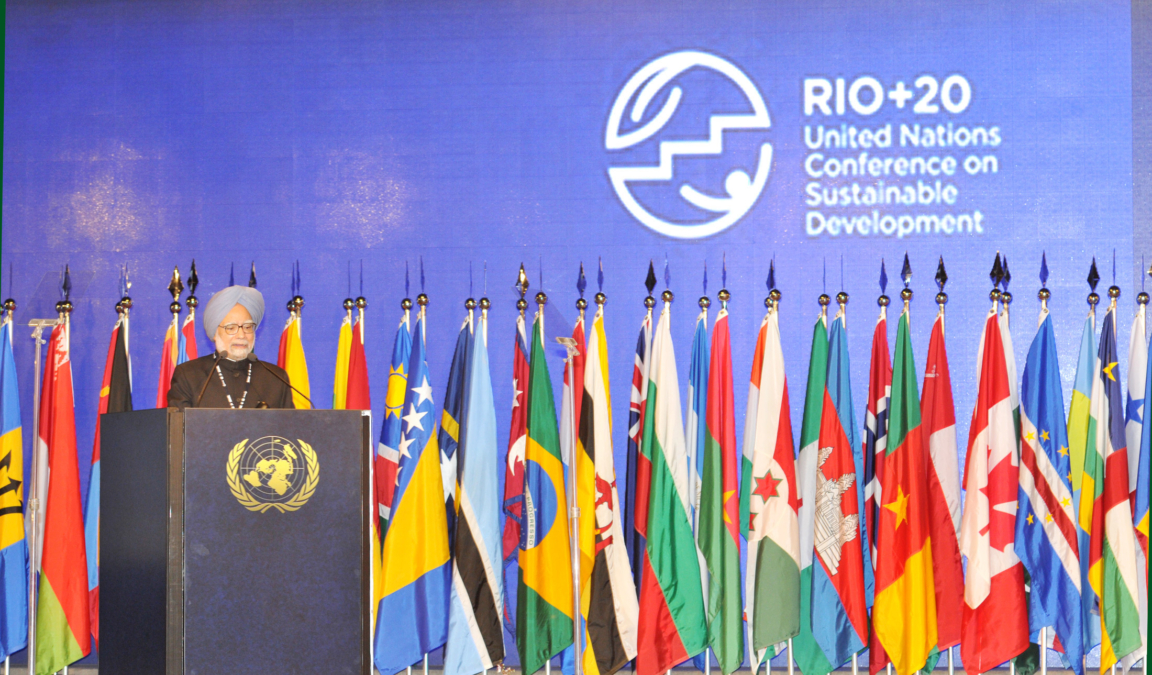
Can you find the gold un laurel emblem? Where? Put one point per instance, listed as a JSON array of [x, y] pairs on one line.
[[272, 473]]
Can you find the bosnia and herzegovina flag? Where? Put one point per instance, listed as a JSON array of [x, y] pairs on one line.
[[1105, 508], [1046, 535], [475, 638], [1078, 416], [413, 615], [13, 546], [842, 581], [451, 420], [291, 359], [544, 603], [904, 614], [63, 627], [115, 396]]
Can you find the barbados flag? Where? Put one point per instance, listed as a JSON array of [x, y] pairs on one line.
[[13, 547], [544, 603], [413, 615]]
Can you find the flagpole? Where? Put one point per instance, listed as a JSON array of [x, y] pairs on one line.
[[791, 667], [574, 509], [1044, 651]]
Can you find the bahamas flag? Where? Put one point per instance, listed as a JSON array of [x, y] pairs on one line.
[[544, 603], [13, 546], [413, 615]]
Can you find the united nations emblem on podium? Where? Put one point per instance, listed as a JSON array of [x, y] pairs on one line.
[[272, 473]]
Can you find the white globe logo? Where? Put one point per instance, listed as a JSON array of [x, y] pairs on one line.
[[742, 190]]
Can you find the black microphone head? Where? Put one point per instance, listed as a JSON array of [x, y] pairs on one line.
[[252, 357]]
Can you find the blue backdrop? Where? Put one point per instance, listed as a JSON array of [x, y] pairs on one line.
[[479, 135]]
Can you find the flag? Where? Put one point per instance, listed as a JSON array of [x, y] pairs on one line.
[[513, 501], [391, 431], [809, 657], [943, 488], [1078, 416], [115, 396], [695, 435], [1105, 509], [769, 502], [572, 395], [841, 581], [13, 545], [904, 614], [359, 395], [63, 626], [1140, 514], [413, 615], [475, 637], [169, 358], [291, 359], [719, 513], [1046, 534], [607, 592], [875, 450], [544, 604], [995, 619], [343, 354], [1134, 413], [450, 420], [636, 489], [187, 349]]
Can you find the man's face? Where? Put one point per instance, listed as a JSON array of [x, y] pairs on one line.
[[238, 345]]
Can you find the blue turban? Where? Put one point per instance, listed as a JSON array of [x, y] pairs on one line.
[[223, 302]]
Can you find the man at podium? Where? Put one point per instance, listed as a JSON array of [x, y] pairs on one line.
[[232, 376]]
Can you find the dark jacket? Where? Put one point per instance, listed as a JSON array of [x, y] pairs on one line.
[[190, 376]]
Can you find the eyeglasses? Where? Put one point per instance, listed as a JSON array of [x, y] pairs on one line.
[[231, 328]]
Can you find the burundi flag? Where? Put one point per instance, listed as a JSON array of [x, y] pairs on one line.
[[13, 545], [607, 592], [904, 614], [672, 624], [1105, 509], [1046, 535], [995, 622], [769, 502], [807, 652], [388, 450], [475, 636], [695, 435], [63, 626], [636, 488], [450, 420], [875, 450], [1134, 414], [943, 488], [719, 513], [343, 355], [544, 604], [842, 581], [412, 619], [115, 396], [169, 358], [291, 359]]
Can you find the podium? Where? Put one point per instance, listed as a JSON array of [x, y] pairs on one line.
[[234, 541]]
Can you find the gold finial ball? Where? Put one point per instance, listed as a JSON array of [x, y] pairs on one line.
[[541, 298], [906, 294], [941, 298], [349, 303], [521, 304], [667, 296], [1006, 297], [470, 303], [1113, 291], [824, 300], [581, 304], [174, 307], [119, 308], [705, 302], [422, 300], [406, 304], [291, 305], [59, 306], [724, 295], [775, 294], [485, 303], [601, 298], [193, 302], [1044, 294], [1093, 299], [10, 305], [883, 300], [842, 298], [994, 294], [361, 302], [649, 302], [1142, 298], [298, 301], [66, 306]]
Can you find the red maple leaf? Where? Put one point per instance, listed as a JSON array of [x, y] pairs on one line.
[[1001, 492]]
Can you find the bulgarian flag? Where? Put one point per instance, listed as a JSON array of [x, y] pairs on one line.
[[672, 624], [904, 615], [63, 625], [1105, 509], [720, 506], [769, 503]]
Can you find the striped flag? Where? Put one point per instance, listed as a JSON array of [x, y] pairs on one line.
[[450, 420], [291, 359], [672, 625], [1105, 509], [719, 513], [475, 637], [943, 488], [904, 615], [875, 450], [13, 545], [769, 501], [1134, 414], [513, 501], [388, 450], [842, 582], [343, 355], [187, 349], [358, 396], [695, 435], [636, 490], [413, 615], [169, 358], [1078, 416], [1046, 534], [607, 592], [544, 603], [995, 619], [1140, 504], [63, 626], [809, 657]]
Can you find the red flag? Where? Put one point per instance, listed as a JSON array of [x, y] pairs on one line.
[[875, 448], [188, 333], [169, 356], [358, 393], [943, 489], [517, 440]]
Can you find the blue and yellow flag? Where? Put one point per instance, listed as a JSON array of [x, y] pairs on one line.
[[452, 422], [13, 548], [413, 614]]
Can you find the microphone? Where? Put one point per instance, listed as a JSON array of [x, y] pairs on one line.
[[278, 376], [204, 387]]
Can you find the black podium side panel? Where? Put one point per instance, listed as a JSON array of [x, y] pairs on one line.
[[133, 542], [272, 592]]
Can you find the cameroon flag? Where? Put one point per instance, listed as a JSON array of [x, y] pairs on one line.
[[904, 616]]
